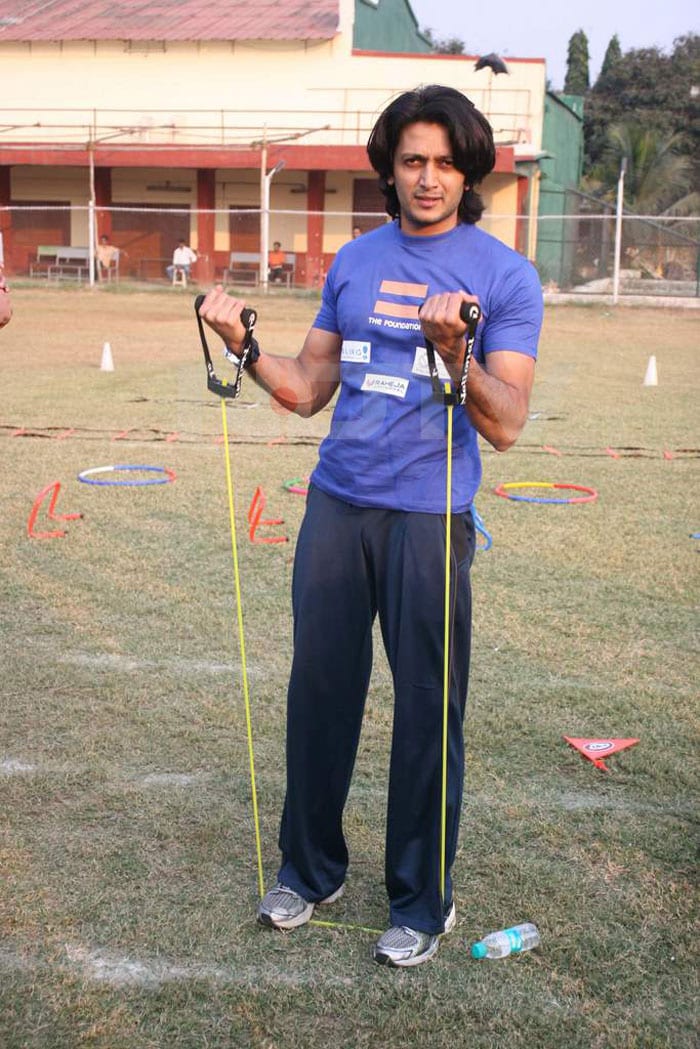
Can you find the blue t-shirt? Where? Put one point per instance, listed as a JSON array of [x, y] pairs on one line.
[[387, 442]]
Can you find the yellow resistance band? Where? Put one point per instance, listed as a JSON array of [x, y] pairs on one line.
[[244, 669], [241, 638], [446, 657]]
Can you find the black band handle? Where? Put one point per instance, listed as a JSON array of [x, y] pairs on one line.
[[470, 313], [218, 386], [249, 317]]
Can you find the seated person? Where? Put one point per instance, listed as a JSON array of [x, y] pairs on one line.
[[275, 263], [106, 254], [183, 257], [5, 304]]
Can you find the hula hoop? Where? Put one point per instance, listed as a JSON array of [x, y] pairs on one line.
[[481, 529], [168, 475], [297, 486], [504, 491]]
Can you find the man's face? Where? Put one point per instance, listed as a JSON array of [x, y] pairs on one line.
[[428, 185]]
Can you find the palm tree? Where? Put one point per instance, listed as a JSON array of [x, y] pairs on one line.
[[658, 181], [658, 176]]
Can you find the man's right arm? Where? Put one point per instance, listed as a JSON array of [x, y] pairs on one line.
[[303, 384]]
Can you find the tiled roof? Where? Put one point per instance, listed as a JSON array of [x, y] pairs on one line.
[[168, 19]]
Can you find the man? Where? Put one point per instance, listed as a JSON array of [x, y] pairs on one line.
[[373, 536], [106, 255], [275, 262], [183, 258], [5, 304]]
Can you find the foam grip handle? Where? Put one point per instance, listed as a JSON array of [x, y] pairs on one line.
[[470, 312], [246, 315]]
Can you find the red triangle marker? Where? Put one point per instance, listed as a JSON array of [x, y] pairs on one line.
[[596, 749]]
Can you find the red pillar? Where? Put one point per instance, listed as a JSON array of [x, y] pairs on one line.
[[316, 197], [6, 217], [103, 200], [206, 200]]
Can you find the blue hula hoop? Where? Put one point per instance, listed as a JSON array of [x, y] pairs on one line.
[[168, 475], [480, 527]]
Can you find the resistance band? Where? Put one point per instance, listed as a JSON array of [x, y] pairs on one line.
[[241, 639], [470, 314], [226, 391]]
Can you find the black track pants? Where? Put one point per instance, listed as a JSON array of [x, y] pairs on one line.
[[352, 563]]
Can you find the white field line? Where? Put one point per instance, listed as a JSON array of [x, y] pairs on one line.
[[126, 664], [111, 967], [173, 779], [119, 970], [14, 767], [570, 801]]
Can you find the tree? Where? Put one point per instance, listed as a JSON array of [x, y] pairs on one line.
[[577, 79], [657, 175], [450, 46], [649, 88], [613, 55]]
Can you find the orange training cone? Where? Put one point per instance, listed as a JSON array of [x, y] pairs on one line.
[[596, 749]]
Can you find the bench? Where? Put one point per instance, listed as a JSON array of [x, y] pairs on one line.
[[71, 263], [45, 257], [244, 268]]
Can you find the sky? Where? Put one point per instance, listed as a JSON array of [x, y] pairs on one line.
[[542, 28]]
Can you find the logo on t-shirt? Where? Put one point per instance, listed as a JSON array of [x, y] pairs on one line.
[[398, 304], [390, 384], [356, 352], [406, 298], [420, 364]]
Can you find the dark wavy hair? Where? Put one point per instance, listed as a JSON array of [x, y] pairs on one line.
[[470, 133]]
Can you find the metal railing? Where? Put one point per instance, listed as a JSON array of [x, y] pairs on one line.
[[587, 253]]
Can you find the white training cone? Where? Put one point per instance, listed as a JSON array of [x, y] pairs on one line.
[[651, 378], [107, 362]]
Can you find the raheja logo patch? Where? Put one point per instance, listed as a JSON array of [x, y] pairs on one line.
[[385, 384], [356, 352], [420, 364]]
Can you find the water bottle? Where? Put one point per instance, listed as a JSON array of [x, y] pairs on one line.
[[514, 940]]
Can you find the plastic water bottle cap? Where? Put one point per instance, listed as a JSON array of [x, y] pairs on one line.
[[479, 950]]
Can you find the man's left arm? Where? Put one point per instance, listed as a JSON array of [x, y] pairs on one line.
[[498, 396], [498, 391]]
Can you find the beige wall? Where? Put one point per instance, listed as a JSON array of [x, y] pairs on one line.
[[500, 195], [239, 187], [230, 93]]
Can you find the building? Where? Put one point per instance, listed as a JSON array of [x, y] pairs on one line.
[[560, 176], [230, 125]]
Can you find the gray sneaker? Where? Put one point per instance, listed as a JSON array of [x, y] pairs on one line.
[[402, 947], [283, 908]]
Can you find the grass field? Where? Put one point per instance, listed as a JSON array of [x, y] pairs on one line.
[[127, 855]]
